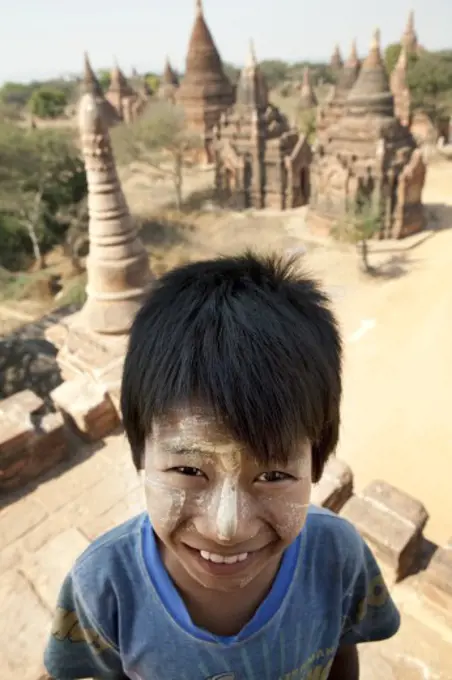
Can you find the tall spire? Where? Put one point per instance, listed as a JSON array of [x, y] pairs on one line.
[[371, 92], [252, 61], [252, 88], [409, 37], [117, 265], [307, 95], [90, 81], [336, 58], [199, 6], [353, 59]]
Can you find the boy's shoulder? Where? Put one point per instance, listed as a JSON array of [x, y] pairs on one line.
[[333, 536], [322, 519], [107, 555]]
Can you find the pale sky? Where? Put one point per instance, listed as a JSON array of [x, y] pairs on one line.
[[45, 38]]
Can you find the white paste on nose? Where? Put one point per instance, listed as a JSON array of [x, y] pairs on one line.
[[227, 520]]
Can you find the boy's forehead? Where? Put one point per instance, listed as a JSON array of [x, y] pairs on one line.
[[197, 428], [194, 425]]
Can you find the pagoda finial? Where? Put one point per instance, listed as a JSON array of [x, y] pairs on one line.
[[375, 44], [410, 22], [199, 6], [252, 61]]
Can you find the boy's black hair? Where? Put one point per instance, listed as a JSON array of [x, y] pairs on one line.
[[251, 339]]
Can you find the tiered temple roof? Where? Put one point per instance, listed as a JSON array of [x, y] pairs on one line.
[[205, 90], [308, 99], [371, 94], [332, 110], [369, 157], [260, 160], [336, 62], [400, 90], [409, 38], [169, 82], [91, 85], [252, 88]]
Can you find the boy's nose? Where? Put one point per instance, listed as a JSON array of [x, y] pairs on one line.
[[229, 518]]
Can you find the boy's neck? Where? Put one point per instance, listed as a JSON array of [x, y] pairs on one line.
[[221, 612]]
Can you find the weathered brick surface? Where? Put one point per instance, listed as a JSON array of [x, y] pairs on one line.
[[87, 469], [24, 626], [392, 522], [436, 581], [335, 487], [18, 518], [49, 565], [131, 505], [31, 441], [20, 404], [87, 406]]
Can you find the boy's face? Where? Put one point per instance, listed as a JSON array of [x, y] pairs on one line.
[[220, 515]]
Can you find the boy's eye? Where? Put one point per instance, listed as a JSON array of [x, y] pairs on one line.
[[274, 476], [188, 471]]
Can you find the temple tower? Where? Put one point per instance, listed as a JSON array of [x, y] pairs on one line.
[[334, 107], [409, 38], [400, 90], [369, 159], [336, 61], [91, 85], [260, 161], [169, 83], [127, 103], [308, 99], [205, 91], [117, 265]]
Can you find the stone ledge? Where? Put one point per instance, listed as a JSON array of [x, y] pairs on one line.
[[392, 523], [436, 582], [31, 442], [87, 408], [335, 487]]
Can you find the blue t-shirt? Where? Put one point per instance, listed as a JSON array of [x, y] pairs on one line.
[[119, 614]]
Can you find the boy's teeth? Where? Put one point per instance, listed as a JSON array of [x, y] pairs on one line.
[[222, 559]]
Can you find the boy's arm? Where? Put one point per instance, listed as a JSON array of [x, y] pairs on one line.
[[346, 664], [80, 646], [369, 613]]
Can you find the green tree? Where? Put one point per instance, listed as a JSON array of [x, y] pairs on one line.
[[160, 139], [103, 76], [152, 81], [391, 56], [41, 172], [429, 79], [275, 71], [17, 94], [48, 102], [358, 226]]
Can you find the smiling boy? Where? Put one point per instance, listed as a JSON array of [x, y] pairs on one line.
[[230, 400]]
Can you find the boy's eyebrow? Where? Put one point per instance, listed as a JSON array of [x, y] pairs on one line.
[[183, 449]]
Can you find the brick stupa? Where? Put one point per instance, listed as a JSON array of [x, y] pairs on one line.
[[334, 107], [127, 102], [91, 85], [92, 342], [205, 91], [308, 99], [400, 89], [169, 83], [260, 161], [369, 159]]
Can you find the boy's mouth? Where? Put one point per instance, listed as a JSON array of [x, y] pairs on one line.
[[223, 559], [223, 565]]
